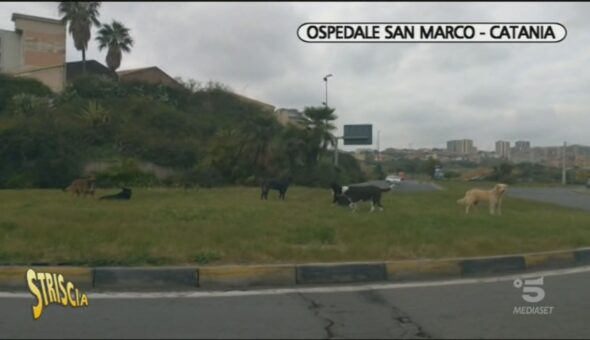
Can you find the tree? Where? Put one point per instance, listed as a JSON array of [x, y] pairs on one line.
[[81, 16], [503, 172], [116, 38], [319, 123], [320, 119], [190, 84], [429, 166], [378, 172]]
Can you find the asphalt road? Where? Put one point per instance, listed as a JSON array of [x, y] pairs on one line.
[[481, 308], [405, 186], [567, 197]]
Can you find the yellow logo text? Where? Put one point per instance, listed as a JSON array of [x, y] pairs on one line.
[[52, 288]]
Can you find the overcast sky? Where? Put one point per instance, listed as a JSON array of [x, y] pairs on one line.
[[416, 94]]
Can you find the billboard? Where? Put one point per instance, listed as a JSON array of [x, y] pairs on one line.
[[358, 134]]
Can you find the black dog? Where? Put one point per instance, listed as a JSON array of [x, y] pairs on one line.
[[125, 194], [275, 184], [350, 196]]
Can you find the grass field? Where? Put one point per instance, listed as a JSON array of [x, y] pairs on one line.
[[232, 225]]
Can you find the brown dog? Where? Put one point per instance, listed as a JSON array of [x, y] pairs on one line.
[[82, 186], [493, 197]]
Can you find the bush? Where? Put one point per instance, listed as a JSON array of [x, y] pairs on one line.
[[36, 155], [12, 86], [205, 176], [452, 174], [95, 87], [208, 136], [127, 173]]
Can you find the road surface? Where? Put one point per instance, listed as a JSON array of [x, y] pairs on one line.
[[566, 197], [476, 308], [405, 186]]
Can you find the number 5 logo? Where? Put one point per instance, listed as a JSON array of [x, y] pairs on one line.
[[531, 292]]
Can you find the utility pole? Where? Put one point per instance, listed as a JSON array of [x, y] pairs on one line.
[[563, 168], [378, 145], [326, 81], [336, 150], [326, 104]]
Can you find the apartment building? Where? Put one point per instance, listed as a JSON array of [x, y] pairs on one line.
[[36, 49], [522, 146], [461, 146], [503, 149], [290, 116]]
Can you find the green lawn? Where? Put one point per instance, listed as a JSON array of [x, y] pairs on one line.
[[232, 225]]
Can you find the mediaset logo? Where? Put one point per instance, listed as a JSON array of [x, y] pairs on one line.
[[532, 292], [50, 288]]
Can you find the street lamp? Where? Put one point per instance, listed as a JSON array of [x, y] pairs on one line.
[[326, 80], [378, 145]]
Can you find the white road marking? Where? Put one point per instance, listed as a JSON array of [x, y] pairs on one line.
[[319, 290]]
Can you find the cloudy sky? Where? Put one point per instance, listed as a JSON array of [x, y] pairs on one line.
[[417, 95]]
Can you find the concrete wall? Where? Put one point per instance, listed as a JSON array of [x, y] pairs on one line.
[[36, 49], [10, 51], [54, 77], [43, 41], [289, 116], [282, 117]]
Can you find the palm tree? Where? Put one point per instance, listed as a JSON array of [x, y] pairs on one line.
[[80, 16], [116, 38], [319, 121], [95, 114]]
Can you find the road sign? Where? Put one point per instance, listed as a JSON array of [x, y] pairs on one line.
[[358, 134]]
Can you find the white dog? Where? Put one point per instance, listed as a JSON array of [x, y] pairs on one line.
[[493, 196]]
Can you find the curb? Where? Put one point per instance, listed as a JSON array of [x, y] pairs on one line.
[[225, 277], [14, 277], [249, 276], [340, 273], [118, 278], [423, 269]]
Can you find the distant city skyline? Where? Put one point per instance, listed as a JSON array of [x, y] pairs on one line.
[[491, 148]]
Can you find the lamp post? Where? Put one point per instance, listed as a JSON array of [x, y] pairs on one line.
[[563, 165], [378, 146], [326, 104], [326, 81]]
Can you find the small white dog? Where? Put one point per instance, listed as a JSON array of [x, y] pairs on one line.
[[493, 196]]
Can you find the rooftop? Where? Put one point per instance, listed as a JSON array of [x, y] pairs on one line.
[[35, 18], [74, 69], [137, 70]]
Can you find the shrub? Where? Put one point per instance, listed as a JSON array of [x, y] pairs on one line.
[[12, 86], [127, 173]]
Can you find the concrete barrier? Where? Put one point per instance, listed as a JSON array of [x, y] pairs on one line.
[[246, 276], [422, 269], [582, 256], [549, 260], [14, 277], [170, 278], [341, 273], [492, 265]]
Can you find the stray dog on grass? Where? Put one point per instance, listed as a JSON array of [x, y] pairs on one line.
[[82, 186], [281, 185], [350, 196], [493, 197], [125, 194]]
